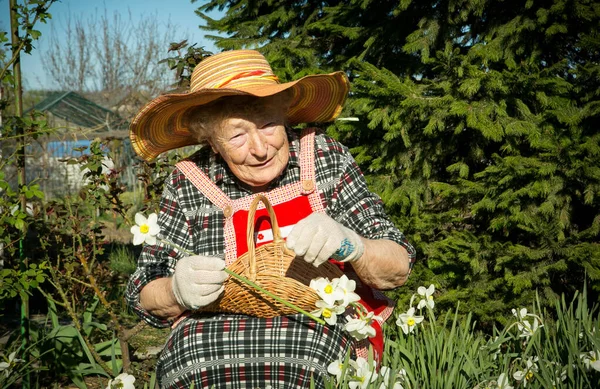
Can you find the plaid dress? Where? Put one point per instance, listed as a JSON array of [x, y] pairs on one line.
[[236, 351]]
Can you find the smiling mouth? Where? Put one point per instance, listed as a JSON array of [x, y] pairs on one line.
[[263, 164]]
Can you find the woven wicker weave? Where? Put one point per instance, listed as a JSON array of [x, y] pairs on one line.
[[274, 267]]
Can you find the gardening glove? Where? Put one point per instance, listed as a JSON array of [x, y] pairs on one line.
[[198, 280], [318, 237]]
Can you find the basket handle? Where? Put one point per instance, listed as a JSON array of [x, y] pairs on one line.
[[250, 230]]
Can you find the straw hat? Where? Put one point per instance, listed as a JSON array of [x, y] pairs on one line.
[[162, 124]]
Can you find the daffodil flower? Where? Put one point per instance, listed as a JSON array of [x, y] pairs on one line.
[[326, 290], [7, 365], [335, 368], [527, 329], [561, 376], [347, 286], [361, 327], [400, 378], [428, 294], [407, 321], [145, 230], [528, 374], [591, 360], [520, 314], [502, 382], [122, 381], [364, 374], [329, 312]]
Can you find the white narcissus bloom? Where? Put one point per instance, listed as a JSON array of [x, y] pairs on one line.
[[145, 230], [326, 290], [361, 328], [503, 382], [527, 329], [122, 381], [591, 360], [528, 373], [561, 376], [328, 312], [7, 365], [364, 374], [520, 314], [384, 372], [407, 321], [347, 286], [428, 294], [335, 368]]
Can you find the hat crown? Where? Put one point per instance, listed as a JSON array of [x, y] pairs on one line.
[[163, 124], [232, 70]]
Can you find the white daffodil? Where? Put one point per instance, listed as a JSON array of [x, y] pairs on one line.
[[361, 328], [503, 382], [328, 312], [527, 329], [524, 326], [7, 365], [145, 230], [326, 290], [364, 374], [591, 360], [384, 373], [407, 321], [347, 286], [561, 376], [122, 381], [520, 314], [335, 368], [428, 294], [528, 374]]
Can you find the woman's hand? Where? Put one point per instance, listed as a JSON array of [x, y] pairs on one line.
[[318, 237], [198, 280], [380, 263]]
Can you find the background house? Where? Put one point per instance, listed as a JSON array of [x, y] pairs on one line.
[[75, 121]]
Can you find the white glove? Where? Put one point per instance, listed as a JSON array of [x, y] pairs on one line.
[[198, 280], [318, 237]]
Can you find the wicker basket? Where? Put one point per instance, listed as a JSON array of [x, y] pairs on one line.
[[274, 267]]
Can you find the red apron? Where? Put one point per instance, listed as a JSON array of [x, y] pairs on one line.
[[291, 204]]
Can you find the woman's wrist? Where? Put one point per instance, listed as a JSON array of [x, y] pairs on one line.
[[157, 298], [383, 264]]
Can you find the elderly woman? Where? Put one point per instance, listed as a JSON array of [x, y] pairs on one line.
[[239, 111]]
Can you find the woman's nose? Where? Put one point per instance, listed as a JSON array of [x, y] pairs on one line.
[[258, 145]]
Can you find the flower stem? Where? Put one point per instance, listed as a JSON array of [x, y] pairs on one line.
[[283, 301], [255, 286]]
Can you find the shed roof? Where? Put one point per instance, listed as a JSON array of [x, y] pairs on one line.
[[80, 111]]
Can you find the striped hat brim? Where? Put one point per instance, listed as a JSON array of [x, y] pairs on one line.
[[162, 124]]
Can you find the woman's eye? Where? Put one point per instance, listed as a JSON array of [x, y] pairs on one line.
[[238, 135], [237, 139], [269, 128]]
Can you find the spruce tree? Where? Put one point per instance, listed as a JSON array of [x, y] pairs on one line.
[[478, 127]]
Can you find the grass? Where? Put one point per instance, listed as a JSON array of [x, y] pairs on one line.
[[452, 353]]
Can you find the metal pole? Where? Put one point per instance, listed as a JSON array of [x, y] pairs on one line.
[[14, 27]]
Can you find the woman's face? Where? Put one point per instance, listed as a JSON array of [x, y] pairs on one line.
[[254, 145]]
